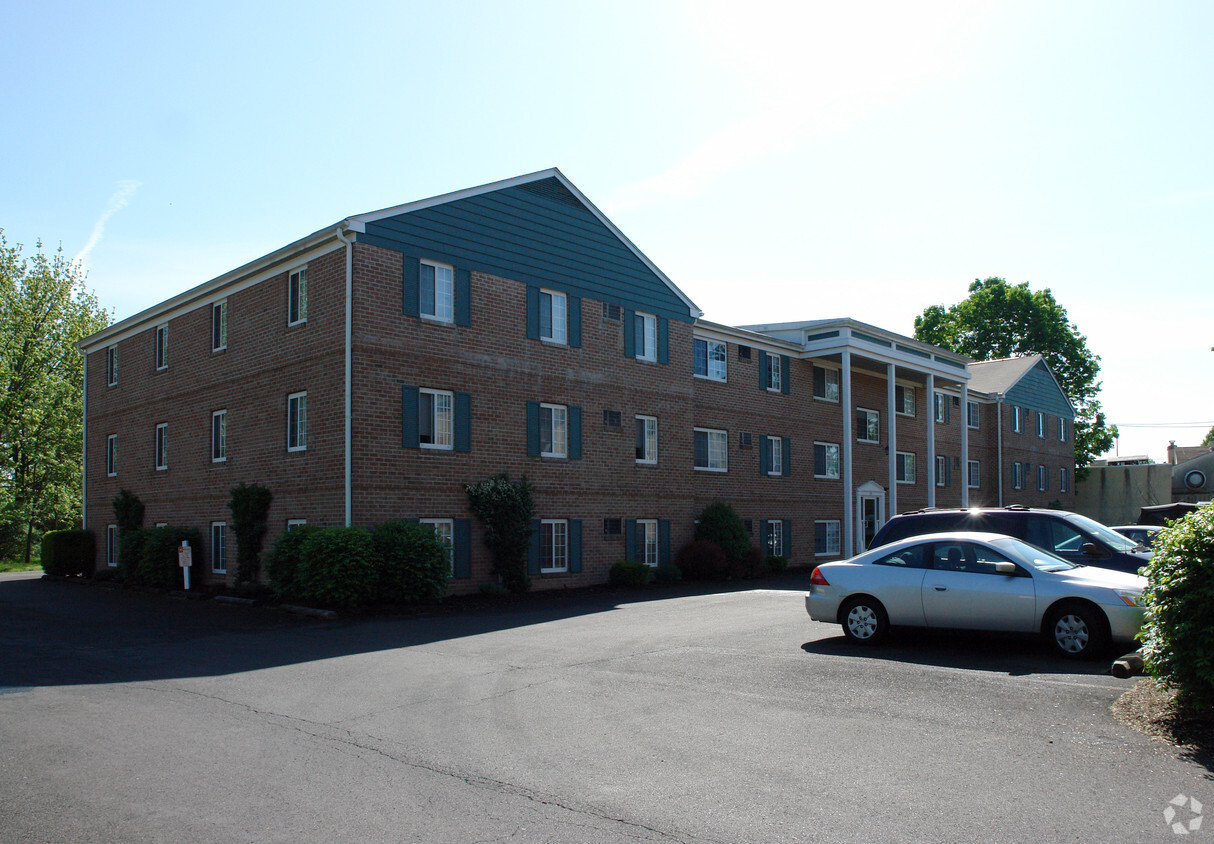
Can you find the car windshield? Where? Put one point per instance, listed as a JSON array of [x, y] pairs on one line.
[[1039, 558], [1106, 535]]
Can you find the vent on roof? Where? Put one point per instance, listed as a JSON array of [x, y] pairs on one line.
[[743, 352], [611, 312], [552, 189]]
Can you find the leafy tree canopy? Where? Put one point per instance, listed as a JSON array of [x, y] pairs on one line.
[[1209, 440], [1000, 320]]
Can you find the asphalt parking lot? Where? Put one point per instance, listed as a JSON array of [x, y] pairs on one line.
[[656, 716]]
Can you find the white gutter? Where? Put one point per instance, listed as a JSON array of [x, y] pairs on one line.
[[349, 365]]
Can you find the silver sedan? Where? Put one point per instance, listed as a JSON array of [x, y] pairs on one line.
[[977, 581]]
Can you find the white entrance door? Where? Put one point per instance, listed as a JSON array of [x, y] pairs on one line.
[[870, 514]]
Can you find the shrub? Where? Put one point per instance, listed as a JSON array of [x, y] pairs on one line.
[[157, 564], [776, 563], [337, 566], [628, 573], [1178, 636], [752, 564], [130, 550], [702, 560], [250, 505], [128, 516], [507, 508], [720, 523], [68, 552], [413, 564], [283, 562], [667, 574], [492, 589]]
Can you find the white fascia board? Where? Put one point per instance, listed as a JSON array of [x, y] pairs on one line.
[[884, 354], [740, 336]]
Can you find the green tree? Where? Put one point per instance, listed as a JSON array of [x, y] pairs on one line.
[[1001, 320], [44, 310], [1209, 440]]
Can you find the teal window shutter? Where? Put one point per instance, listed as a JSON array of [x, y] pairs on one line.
[[533, 548], [630, 331], [785, 375], [462, 547], [533, 429], [575, 432], [409, 286], [575, 546], [788, 537], [786, 456], [630, 540], [764, 370], [663, 340], [764, 455], [533, 313], [763, 537], [463, 421], [574, 315], [408, 417], [463, 297], [663, 542]]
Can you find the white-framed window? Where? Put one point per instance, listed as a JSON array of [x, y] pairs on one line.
[[295, 524], [1043, 425], [436, 419], [711, 450], [904, 470], [826, 460], [827, 536], [941, 470], [111, 366], [162, 446], [554, 430], [647, 541], [1042, 478], [775, 374], [111, 455], [297, 421], [647, 440], [1064, 479], [971, 414], [973, 474], [219, 547], [646, 337], [904, 400], [940, 407], [826, 383], [444, 529], [111, 545], [162, 347], [554, 545], [219, 436], [1017, 475], [868, 426], [710, 357], [297, 296], [437, 289], [1061, 429], [1017, 419], [776, 449], [773, 540], [219, 325], [553, 316]]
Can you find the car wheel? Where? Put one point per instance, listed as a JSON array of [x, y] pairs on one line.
[[864, 621], [1076, 631]]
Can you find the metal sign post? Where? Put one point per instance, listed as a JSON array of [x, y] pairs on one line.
[[185, 559]]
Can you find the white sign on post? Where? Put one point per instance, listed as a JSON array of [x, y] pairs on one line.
[[185, 559]]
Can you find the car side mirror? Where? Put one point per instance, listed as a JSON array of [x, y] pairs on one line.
[[1005, 568], [1091, 549]]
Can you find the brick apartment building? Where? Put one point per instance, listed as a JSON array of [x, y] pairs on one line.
[[369, 370]]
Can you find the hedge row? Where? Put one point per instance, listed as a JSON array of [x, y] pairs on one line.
[[69, 552]]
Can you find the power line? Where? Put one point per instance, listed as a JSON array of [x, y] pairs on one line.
[[1163, 424]]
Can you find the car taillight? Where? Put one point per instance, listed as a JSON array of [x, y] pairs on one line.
[[817, 579]]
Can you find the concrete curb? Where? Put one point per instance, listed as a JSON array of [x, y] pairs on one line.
[[308, 611], [232, 599]]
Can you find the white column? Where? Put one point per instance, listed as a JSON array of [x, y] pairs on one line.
[[891, 413], [929, 412], [847, 529], [965, 445]]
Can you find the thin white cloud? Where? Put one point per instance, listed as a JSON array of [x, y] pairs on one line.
[[119, 200]]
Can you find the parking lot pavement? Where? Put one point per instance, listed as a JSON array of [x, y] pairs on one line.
[[697, 716]]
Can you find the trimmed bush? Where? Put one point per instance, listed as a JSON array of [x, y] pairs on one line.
[[128, 516], [776, 564], [337, 567], [283, 562], [752, 564], [702, 560], [720, 523], [667, 574], [413, 565], [628, 573], [1178, 636], [130, 550], [158, 555], [68, 552], [507, 508], [250, 505]]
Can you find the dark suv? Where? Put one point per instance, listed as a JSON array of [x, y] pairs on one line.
[[1075, 538]]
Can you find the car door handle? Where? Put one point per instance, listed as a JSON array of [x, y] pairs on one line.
[[940, 588]]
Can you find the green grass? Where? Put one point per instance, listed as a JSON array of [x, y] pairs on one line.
[[19, 565]]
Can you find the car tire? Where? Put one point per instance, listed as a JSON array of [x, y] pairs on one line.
[[1076, 631], [864, 621]]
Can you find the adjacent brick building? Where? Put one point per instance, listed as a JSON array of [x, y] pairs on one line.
[[368, 371]]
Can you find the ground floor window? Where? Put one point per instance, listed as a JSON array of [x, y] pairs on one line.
[[219, 547], [647, 541], [444, 529], [773, 540], [111, 545], [826, 537], [554, 545]]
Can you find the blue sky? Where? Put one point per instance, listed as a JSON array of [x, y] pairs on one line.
[[776, 160]]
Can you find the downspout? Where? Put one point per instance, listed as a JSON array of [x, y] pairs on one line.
[[84, 449], [999, 443], [349, 368]]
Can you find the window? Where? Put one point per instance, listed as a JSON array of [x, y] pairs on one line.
[[297, 296], [1042, 478], [775, 375], [553, 316], [1061, 429], [1017, 476], [941, 470], [1064, 479], [297, 422], [826, 460], [444, 529], [1043, 425], [437, 289], [435, 419], [904, 467], [612, 313], [111, 455], [111, 366], [973, 474], [743, 352], [826, 384], [162, 347], [647, 541], [554, 430], [111, 545], [162, 446], [647, 440], [904, 400], [219, 547], [613, 527], [773, 538], [868, 426], [554, 545], [940, 407], [646, 337], [711, 450], [219, 326], [972, 414], [613, 419], [709, 358], [775, 460], [745, 439], [827, 538], [295, 524], [219, 436], [1017, 419]]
